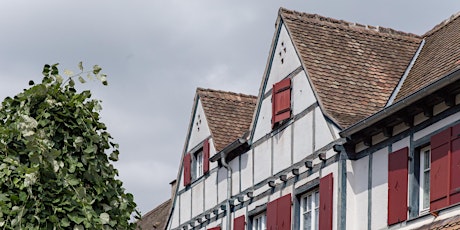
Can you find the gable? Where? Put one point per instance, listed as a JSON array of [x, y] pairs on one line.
[[353, 68]]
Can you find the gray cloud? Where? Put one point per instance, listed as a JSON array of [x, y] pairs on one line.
[[157, 52]]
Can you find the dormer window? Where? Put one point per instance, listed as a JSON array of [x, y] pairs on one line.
[[281, 102]]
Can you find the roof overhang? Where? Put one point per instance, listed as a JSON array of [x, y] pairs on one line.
[[444, 89], [232, 150]]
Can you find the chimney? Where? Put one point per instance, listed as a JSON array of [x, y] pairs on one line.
[[173, 188]]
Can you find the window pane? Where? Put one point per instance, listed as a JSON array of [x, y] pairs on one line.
[[426, 189], [307, 221], [426, 164], [308, 203]]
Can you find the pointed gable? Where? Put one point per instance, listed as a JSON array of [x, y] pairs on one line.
[[439, 56], [228, 114], [353, 68]]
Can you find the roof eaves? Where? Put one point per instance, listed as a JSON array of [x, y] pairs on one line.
[[388, 111]]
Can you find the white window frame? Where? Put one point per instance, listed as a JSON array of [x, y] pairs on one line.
[[311, 198], [259, 222], [198, 163], [425, 166]]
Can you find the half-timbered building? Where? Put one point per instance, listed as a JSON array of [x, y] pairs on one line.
[[354, 127]]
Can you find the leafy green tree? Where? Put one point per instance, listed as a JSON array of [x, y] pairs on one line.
[[54, 169]]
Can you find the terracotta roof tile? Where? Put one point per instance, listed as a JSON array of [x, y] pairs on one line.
[[452, 223], [354, 68], [156, 218], [439, 56], [229, 115]]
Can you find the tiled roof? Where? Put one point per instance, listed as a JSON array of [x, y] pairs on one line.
[[452, 223], [439, 56], [229, 115], [157, 218], [353, 68]]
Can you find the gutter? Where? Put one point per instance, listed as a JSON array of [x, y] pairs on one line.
[[221, 155], [392, 109]]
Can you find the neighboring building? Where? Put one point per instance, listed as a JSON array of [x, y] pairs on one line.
[[156, 218], [354, 127]]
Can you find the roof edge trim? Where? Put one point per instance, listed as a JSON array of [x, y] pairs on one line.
[[447, 79], [406, 73]]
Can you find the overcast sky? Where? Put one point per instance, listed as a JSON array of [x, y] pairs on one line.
[[157, 52]]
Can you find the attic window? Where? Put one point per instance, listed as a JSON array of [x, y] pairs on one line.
[[281, 102], [196, 163]]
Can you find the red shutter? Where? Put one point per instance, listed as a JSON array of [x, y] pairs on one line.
[[239, 223], [187, 169], [455, 172], [281, 101], [397, 186], [326, 202], [279, 213], [455, 166], [215, 228], [205, 156], [439, 172], [283, 219], [271, 215]]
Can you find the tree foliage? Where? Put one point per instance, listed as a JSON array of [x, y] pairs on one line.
[[54, 170]]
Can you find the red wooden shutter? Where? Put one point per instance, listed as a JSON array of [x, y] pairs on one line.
[[205, 156], [215, 228], [283, 219], [239, 223], [326, 202], [187, 169], [279, 213], [439, 172], [397, 186], [281, 101], [455, 166], [271, 215]]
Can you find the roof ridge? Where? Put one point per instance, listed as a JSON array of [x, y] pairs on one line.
[[199, 89], [342, 23], [162, 205], [442, 24]]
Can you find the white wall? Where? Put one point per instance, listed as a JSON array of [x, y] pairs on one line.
[[281, 150], [246, 170], [210, 191], [357, 189], [379, 188], [185, 209], [302, 93], [303, 137], [197, 198], [262, 161]]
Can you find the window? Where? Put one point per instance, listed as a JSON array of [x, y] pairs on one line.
[[424, 195], [309, 208], [259, 222], [198, 164]]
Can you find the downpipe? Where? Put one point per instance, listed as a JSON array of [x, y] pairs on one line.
[[229, 190]]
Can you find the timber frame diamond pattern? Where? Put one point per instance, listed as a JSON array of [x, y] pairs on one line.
[[334, 138]]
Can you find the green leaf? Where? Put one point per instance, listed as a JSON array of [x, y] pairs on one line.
[[114, 155], [65, 222], [105, 218], [71, 83], [96, 69], [80, 66], [81, 79]]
